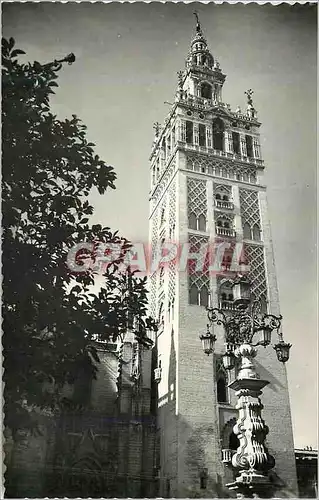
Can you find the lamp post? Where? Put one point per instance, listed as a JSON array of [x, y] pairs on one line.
[[242, 326]]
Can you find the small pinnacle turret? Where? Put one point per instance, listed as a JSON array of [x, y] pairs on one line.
[[199, 54]]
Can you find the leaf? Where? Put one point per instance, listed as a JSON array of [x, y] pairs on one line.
[[17, 52]]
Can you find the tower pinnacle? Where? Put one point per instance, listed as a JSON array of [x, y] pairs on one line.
[[198, 27]]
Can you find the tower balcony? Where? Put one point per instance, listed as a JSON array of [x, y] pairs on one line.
[[227, 305], [258, 162], [158, 374], [227, 455], [224, 231], [224, 204]]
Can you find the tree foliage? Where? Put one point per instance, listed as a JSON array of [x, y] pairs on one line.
[[48, 170]]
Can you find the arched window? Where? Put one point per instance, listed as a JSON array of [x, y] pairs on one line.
[[173, 136], [218, 197], [202, 135], [154, 175], [193, 295], [249, 146], [226, 224], [219, 223], [189, 132], [224, 296], [246, 177], [253, 178], [224, 174], [236, 142], [233, 441], [247, 231], [256, 233], [263, 304], [225, 197], [230, 297], [202, 223], [192, 221], [204, 296], [164, 147], [221, 389], [218, 134], [206, 90], [226, 262]]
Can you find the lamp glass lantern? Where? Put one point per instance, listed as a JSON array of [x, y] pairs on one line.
[[241, 291], [228, 360], [208, 340], [265, 336], [282, 350]]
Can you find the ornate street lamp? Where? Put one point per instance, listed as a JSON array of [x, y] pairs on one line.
[[229, 358], [208, 340], [241, 326], [56, 65]]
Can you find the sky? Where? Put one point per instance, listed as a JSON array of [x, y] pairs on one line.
[[127, 57]]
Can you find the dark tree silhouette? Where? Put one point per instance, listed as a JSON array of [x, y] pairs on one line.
[[49, 316]]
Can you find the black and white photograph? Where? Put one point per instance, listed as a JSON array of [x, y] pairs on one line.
[[159, 250]]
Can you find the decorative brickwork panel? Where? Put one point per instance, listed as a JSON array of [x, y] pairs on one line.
[[172, 209], [153, 295], [171, 281], [254, 257], [167, 176], [196, 197], [199, 278], [249, 207], [221, 168], [154, 229], [162, 215]]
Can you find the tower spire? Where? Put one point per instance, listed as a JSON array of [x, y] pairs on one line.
[[199, 54]]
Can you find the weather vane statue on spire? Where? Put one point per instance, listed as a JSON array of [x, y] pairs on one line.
[[249, 94], [198, 28], [251, 111]]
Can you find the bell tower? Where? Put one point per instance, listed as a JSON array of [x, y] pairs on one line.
[[208, 200]]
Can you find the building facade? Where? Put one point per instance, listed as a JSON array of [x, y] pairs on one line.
[[307, 472], [103, 445], [207, 192]]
